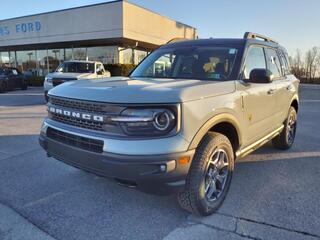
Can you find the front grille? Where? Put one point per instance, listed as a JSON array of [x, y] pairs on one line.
[[84, 143], [87, 106], [104, 109], [77, 122], [58, 81]]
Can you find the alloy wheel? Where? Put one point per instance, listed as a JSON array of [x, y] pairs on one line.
[[291, 128], [216, 174]]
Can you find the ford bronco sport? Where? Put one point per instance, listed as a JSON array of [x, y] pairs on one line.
[[74, 70], [180, 120]]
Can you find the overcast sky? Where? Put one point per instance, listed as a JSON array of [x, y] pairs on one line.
[[294, 23]]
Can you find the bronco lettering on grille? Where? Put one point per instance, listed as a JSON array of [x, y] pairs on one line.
[[75, 114]]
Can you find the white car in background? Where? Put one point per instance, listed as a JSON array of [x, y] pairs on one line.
[[74, 70]]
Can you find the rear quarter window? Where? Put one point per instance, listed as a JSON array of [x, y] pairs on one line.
[[284, 63], [273, 62]]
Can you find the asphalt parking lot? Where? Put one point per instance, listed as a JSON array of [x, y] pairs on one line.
[[274, 194]]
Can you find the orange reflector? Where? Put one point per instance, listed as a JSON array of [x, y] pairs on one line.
[[184, 160]]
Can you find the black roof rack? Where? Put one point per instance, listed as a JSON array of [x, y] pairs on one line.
[[251, 35]]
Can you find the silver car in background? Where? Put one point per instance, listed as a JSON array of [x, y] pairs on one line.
[[74, 70]]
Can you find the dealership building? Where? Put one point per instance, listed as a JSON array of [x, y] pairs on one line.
[[112, 32]]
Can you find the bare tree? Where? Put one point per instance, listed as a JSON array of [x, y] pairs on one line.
[[317, 64], [310, 61], [306, 68], [298, 65]]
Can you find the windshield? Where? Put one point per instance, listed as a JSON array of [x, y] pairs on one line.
[[76, 67], [205, 63]]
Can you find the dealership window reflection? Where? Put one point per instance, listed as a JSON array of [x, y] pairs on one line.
[[55, 57], [41, 62], [4, 59], [80, 54], [106, 55], [27, 63]]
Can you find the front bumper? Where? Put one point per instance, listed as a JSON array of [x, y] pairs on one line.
[[152, 173]]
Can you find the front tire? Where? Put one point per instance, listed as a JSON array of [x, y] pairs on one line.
[[210, 175], [286, 138]]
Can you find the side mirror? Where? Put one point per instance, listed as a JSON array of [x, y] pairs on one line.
[[260, 75]]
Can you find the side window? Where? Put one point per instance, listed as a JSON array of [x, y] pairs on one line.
[[99, 68], [284, 64], [273, 61], [288, 61], [14, 72], [255, 59], [162, 67]]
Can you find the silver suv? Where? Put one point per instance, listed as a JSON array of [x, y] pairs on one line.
[[74, 70], [180, 120]]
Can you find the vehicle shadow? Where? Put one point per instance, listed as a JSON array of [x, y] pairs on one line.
[[73, 204]]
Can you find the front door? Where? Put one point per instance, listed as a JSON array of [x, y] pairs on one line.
[[258, 98]]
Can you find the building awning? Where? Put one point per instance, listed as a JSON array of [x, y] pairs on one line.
[[114, 23]]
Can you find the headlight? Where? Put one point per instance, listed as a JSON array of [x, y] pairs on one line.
[[148, 122], [48, 80]]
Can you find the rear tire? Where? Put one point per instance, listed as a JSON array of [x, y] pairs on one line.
[[209, 177], [286, 138]]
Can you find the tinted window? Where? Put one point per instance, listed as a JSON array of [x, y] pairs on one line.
[[205, 63], [76, 67], [273, 62], [255, 59], [2, 71], [284, 63]]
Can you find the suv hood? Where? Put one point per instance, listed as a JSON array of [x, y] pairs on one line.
[[69, 75], [128, 90]]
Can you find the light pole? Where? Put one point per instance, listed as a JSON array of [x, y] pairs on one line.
[[29, 54], [55, 51]]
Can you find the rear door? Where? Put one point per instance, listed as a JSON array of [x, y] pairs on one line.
[[258, 98], [286, 86], [281, 84]]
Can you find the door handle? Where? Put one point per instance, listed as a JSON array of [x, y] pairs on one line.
[[271, 91]]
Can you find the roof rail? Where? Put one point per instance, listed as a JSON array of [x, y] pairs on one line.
[[177, 40], [251, 35]]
